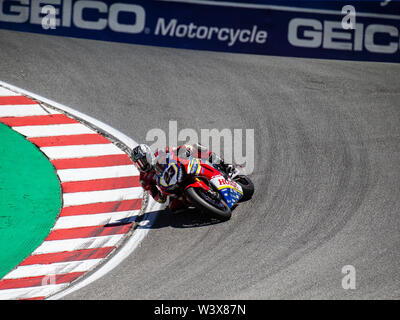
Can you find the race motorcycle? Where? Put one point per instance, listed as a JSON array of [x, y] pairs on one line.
[[203, 185]]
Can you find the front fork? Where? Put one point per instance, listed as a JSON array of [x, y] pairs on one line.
[[210, 192]]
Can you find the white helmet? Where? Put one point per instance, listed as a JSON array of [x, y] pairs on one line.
[[143, 157]]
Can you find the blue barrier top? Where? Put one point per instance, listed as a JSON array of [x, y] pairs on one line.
[[375, 6]]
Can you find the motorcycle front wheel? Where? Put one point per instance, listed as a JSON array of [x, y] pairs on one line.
[[247, 187], [214, 208]]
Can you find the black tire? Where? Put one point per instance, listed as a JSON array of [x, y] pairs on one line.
[[247, 186], [194, 195]]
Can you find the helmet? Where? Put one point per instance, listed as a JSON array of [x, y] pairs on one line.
[[143, 157]]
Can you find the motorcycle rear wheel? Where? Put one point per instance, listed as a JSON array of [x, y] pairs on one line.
[[203, 203]]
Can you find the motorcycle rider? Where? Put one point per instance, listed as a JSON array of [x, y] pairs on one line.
[[143, 158], [145, 161]]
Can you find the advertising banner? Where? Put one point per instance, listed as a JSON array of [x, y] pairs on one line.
[[363, 30]]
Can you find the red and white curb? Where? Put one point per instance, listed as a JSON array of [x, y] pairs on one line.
[[101, 194]]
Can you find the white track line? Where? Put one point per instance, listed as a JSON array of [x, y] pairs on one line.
[[54, 246], [98, 219], [24, 110], [81, 151], [7, 93], [67, 175], [36, 270], [33, 292], [81, 198], [53, 130]]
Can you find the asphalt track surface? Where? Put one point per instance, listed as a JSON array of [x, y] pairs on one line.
[[327, 155]]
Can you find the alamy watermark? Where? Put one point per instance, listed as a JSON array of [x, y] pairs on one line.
[[49, 21], [349, 280], [49, 279], [234, 145], [349, 20]]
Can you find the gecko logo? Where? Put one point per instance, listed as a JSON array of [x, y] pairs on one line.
[[83, 14], [312, 33]]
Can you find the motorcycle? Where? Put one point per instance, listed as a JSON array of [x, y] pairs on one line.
[[204, 186]]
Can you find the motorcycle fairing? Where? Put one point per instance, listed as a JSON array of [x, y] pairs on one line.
[[230, 190]]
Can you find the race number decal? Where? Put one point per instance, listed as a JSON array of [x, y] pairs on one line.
[[170, 176]]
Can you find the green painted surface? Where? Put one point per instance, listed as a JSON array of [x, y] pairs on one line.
[[30, 198]]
